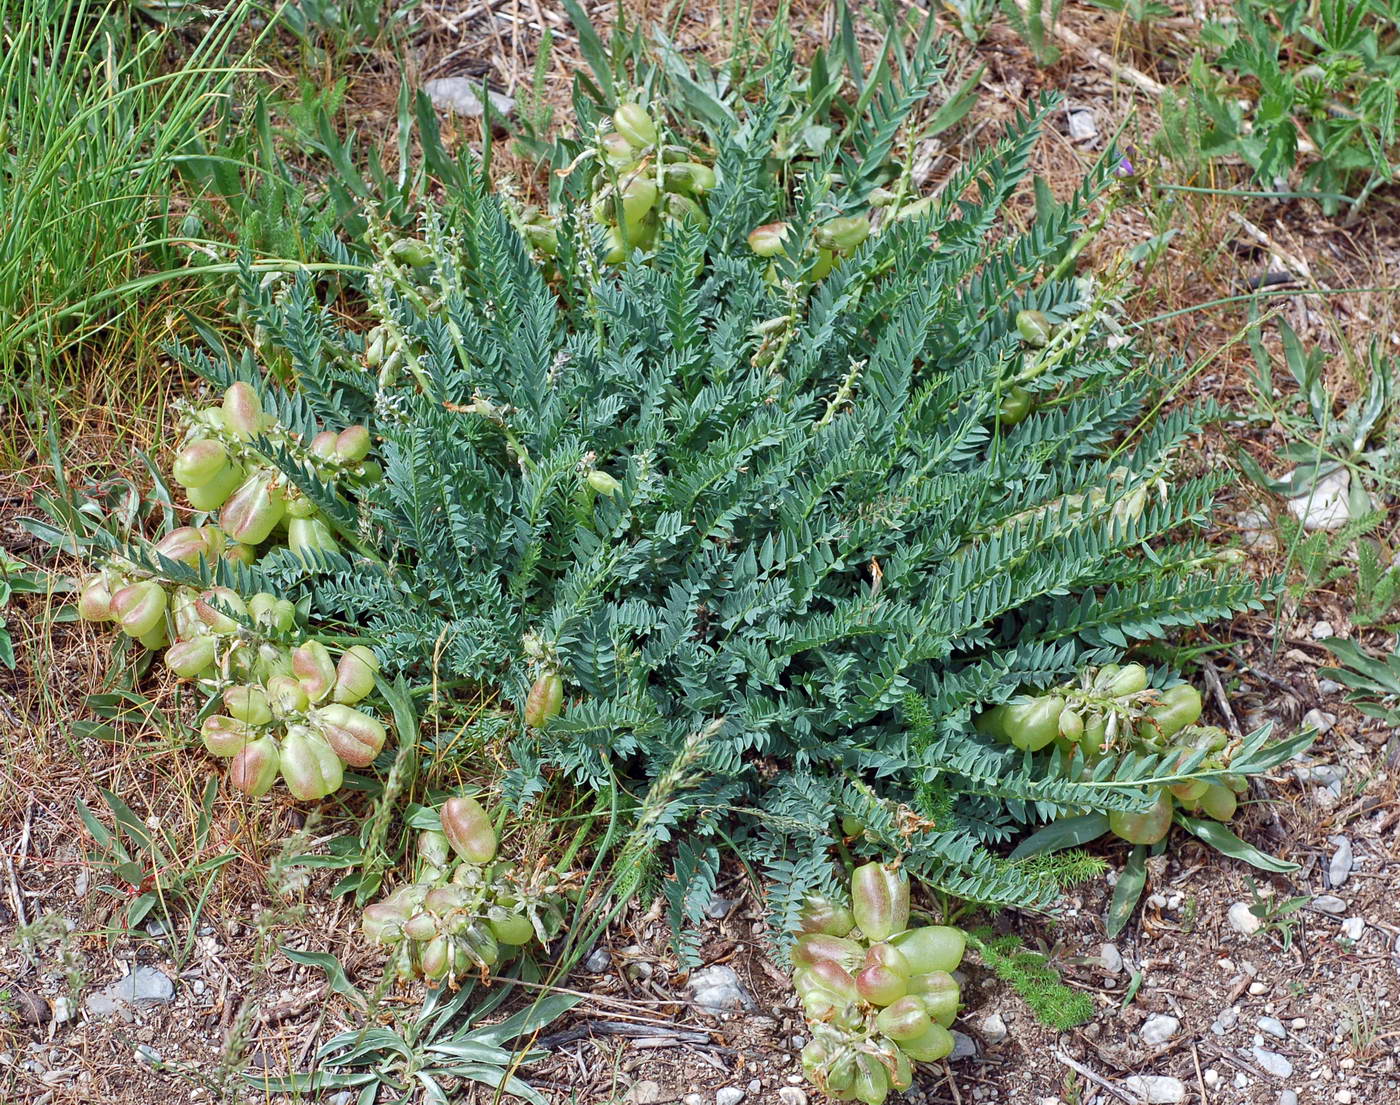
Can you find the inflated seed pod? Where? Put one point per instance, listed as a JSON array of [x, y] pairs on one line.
[[243, 411], [880, 900], [931, 948], [251, 512], [95, 600], [1179, 707], [617, 151], [323, 445], [545, 700], [310, 766], [382, 923], [237, 553], [352, 444], [513, 929], [1033, 327], [254, 769], [821, 914], [933, 1045], [879, 985], [185, 545], [248, 704], [422, 926], [885, 954], [938, 992], [468, 829], [212, 495], [200, 462], [354, 675], [312, 665], [811, 948], [634, 124], [603, 483], [287, 696], [1147, 827], [905, 1019], [843, 234], [1034, 724], [211, 607], [1071, 724], [1015, 405], [298, 505], [436, 958], [225, 736], [307, 538], [1218, 802], [139, 608], [356, 737], [768, 240], [270, 660], [830, 976], [271, 613], [190, 657]]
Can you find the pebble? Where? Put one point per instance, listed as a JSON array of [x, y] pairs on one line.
[[460, 96], [148, 1055], [597, 962], [1111, 958], [1329, 903], [730, 1095], [1244, 920], [993, 1028], [144, 984], [964, 1047], [1320, 720], [717, 990], [718, 907], [1321, 630], [1325, 506], [1241, 1081], [1156, 1089], [644, 1093], [1257, 988], [1272, 1062], [1353, 927], [1211, 1078], [1158, 1029], [1273, 1026], [62, 1009], [1343, 1097], [692, 1099], [1288, 1097], [342, 1098], [1339, 869], [1327, 687], [1082, 127], [1225, 1020], [792, 1095]]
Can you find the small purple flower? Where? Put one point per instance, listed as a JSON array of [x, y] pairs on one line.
[[1125, 169]]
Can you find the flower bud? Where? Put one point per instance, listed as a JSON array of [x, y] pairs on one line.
[[309, 765], [212, 605], [248, 703], [139, 608], [225, 736], [95, 600], [254, 769], [821, 914], [199, 462], [545, 700], [188, 658], [768, 240], [880, 900], [253, 510], [357, 738], [905, 1019], [931, 948], [286, 696], [312, 664], [468, 829], [243, 411], [635, 125], [354, 675], [352, 444], [212, 495]]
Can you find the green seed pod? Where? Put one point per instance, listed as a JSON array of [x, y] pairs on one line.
[[483, 946], [822, 266], [885, 954], [872, 1083], [1095, 733], [880, 900], [249, 704], [638, 198], [212, 495], [310, 766], [545, 700], [271, 660], [411, 252], [1015, 405], [436, 958], [243, 411], [813, 947], [693, 176], [468, 829], [287, 697], [298, 505], [95, 600], [635, 125], [199, 463], [1034, 328], [357, 738], [1071, 724], [271, 613], [938, 992], [1180, 706], [844, 234], [835, 979], [992, 723], [240, 554], [323, 445], [880, 986], [1034, 724], [768, 240], [352, 444], [683, 208], [184, 545], [513, 929], [1147, 827], [933, 1045], [254, 769], [354, 675], [822, 915], [1218, 802], [614, 250], [225, 736], [188, 658], [211, 607], [253, 510], [821, 1005], [603, 483], [421, 926], [905, 1019], [931, 948], [307, 538], [382, 923], [312, 665], [156, 639], [902, 1076], [617, 151], [139, 608]]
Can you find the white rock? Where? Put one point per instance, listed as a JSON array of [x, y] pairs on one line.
[[1082, 126], [1244, 920], [1353, 927], [1273, 1026], [792, 1095], [993, 1028], [730, 1095], [1329, 903], [1339, 868], [1288, 1097], [1110, 958], [1158, 1029], [1211, 1078], [597, 961], [1326, 687], [62, 1009], [1257, 988], [692, 1099], [1322, 630], [1326, 506], [460, 96], [1156, 1089], [1256, 529], [1240, 1080], [1320, 720], [964, 1047], [145, 985], [1272, 1062], [717, 989], [1343, 1097]]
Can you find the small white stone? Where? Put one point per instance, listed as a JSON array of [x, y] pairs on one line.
[[1339, 868], [1257, 988], [1343, 1097], [1158, 1029], [1353, 927], [1273, 1026], [1211, 1077], [1244, 920], [964, 1047], [1288, 1097], [62, 1009], [1329, 687], [1322, 630], [1320, 720], [1156, 1089], [1110, 958], [730, 1095], [1326, 505], [1273, 1063], [1241, 1081], [461, 96], [1082, 126], [1329, 903], [1297, 1023], [993, 1028], [792, 1095]]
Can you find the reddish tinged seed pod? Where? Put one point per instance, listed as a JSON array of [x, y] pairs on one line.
[[323, 444], [821, 914], [830, 976], [185, 545], [188, 658], [1147, 827], [436, 959], [243, 411], [882, 954], [357, 738], [382, 923], [768, 240], [95, 600], [421, 926], [354, 675], [905, 1019], [813, 947], [545, 700], [224, 736], [468, 829], [253, 510], [938, 992], [254, 769], [312, 665], [931, 948], [248, 704], [139, 608], [212, 605], [880, 900], [880, 986], [352, 444], [237, 553], [310, 766], [199, 463]]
